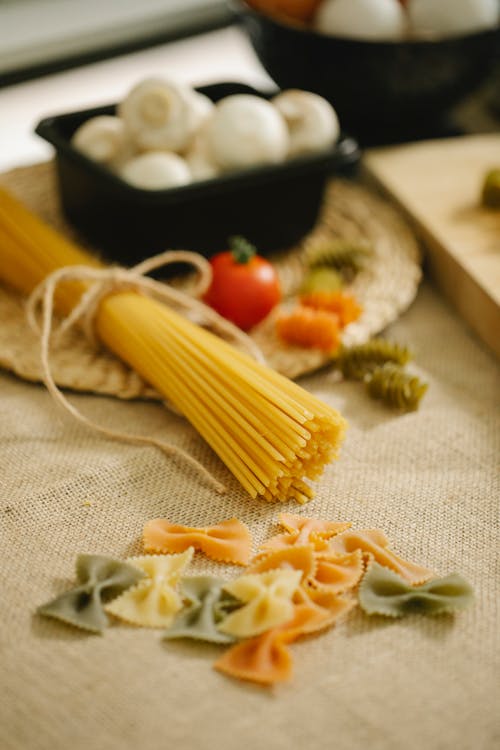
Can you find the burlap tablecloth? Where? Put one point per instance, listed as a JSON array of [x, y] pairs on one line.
[[429, 479]]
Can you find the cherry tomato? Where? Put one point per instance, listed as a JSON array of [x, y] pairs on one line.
[[245, 286]]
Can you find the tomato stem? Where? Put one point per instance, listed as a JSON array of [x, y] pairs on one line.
[[241, 249]]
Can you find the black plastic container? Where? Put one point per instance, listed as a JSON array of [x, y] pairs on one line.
[[383, 91], [272, 206]]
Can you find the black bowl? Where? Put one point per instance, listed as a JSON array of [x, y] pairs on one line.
[[376, 87], [272, 206]]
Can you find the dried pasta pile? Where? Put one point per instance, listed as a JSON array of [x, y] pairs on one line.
[[300, 582], [268, 431]]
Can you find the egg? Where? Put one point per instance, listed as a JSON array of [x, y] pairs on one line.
[[452, 17], [362, 19]]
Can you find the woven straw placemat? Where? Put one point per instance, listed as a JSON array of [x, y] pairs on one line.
[[385, 287]]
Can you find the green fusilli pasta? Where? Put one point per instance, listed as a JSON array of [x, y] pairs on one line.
[[356, 362], [490, 196], [340, 254], [397, 388]]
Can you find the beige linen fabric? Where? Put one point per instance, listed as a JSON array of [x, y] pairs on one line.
[[429, 479]]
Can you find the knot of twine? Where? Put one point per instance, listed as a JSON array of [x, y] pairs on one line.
[[106, 281]]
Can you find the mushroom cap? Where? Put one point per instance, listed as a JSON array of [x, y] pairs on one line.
[[245, 131], [199, 158], [362, 19], [312, 122], [447, 17], [201, 108], [156, 170], [103, 139], [162, 115]]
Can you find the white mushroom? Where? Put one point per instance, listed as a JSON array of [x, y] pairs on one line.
[[448, 17], [161, 115], [362, 19], [245, 131], [199, 158], [103, 139], [201, 109], [312, 122], [156, 170]]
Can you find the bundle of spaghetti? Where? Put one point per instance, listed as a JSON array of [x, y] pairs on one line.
[[270, 433]]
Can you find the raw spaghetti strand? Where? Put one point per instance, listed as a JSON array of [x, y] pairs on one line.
[[271, 434]]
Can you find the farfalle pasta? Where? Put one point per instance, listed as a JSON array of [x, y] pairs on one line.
[[301, 582], [301, 530], [207, 605], [329, 607], [266, 659], [338, 573], [311, 529], [229, 541], [155, 601], [296, 558], [267, 600], [383, 592], [325, 570], [374, 544], [101, 579]]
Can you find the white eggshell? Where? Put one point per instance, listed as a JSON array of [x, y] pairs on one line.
[[362, 19], [103, 139], [312, 121], [156, 170], [452, 17], [245, 131]]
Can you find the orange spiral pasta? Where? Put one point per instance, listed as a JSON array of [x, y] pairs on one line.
[[308, 327], [341, 303]]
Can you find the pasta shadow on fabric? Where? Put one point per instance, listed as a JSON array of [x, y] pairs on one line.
[[365, 413], [50, 629], [352, 400], [361, 624], [134, 548], [433, 627], [192, 649]]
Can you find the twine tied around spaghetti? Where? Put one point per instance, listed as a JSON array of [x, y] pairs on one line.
[[105, 281]]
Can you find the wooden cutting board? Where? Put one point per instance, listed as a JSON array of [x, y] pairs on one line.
[[438, 185]]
